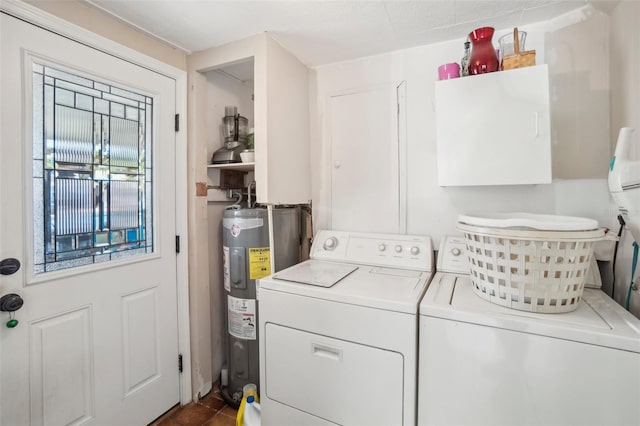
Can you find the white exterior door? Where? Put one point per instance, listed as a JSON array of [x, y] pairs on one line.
[[87, 205]]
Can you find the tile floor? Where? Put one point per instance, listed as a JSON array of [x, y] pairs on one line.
[[209, 411]]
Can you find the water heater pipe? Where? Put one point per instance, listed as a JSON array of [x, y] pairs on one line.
[[272, 253], [249, 202]]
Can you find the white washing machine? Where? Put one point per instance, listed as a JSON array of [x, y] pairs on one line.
[[481, 363], [338, 333]]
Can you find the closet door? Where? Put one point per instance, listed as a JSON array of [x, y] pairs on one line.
[[365, 184]]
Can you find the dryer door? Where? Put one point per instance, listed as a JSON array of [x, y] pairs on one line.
[[336, 380]]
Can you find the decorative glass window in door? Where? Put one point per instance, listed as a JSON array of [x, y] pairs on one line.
[[92, 171]]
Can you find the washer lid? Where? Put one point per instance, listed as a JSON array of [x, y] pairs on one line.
[[323, 274], [598, 320], [391, 289]]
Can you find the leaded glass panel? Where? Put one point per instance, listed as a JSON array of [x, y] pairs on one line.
[[92, 171]]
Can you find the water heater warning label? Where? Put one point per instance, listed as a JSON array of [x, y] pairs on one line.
[[242, 318], [259, 262]]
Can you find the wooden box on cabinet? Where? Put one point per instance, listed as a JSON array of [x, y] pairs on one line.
[[494, 129]]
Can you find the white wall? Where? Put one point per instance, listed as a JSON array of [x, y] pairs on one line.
[[575, 46], [577, 51], [87, 16], [625, 111], [432, 209]]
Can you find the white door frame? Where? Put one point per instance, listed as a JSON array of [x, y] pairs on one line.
[[45, 20]]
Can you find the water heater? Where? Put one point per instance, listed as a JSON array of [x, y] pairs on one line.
[[246, 258]]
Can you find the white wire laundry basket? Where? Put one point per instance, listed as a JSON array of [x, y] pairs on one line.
[[534, 263]]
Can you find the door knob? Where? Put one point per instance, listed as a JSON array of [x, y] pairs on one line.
[[9, 266], [10, 303]]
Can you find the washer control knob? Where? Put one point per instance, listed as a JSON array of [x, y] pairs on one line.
[[398, 248], [415, 250], [330, 243], [382, 246], [455, 251]]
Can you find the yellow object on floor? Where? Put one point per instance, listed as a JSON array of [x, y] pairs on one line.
[[248, 389]]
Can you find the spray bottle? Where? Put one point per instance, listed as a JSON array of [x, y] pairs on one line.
[[251, 412], [248, 390]]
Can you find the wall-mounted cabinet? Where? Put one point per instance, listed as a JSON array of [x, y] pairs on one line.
[[270, 87], [494, 129]]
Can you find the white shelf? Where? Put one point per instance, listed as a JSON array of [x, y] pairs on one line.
[[242, 167]]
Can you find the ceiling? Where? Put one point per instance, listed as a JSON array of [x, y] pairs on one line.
[[322, 31]]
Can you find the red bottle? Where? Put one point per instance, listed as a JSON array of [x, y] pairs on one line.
[[483, 56]]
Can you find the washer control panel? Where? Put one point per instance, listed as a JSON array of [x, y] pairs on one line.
[[330, 243], [387, 250], [452, 255]]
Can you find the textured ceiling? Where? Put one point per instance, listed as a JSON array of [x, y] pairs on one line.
[[320, 32]]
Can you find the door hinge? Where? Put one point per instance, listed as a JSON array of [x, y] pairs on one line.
[[180, 363], [177, 124], [177, 243]]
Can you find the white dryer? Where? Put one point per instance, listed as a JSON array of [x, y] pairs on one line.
[[339, 332], [483, 364]]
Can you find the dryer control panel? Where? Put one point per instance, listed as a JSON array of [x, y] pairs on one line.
[[413, 252], [452, 255]]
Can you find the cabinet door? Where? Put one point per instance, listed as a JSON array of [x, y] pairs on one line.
[[282, 164], [364, 161], [493, 129]]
